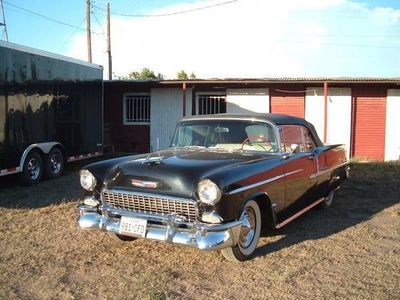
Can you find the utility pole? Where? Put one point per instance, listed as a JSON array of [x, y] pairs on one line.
[[109, 43], [3, 23], [88, 32]]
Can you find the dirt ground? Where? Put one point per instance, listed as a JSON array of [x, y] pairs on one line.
[[349, 251]]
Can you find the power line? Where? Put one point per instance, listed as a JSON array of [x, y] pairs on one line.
[[97, 20], [32, 13], [5, 34], [168, 14]]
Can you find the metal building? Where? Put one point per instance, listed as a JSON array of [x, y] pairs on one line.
[[357, 112]]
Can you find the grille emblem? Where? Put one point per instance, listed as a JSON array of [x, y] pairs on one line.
[[144, 184]]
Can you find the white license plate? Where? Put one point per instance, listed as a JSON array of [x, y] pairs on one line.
[[133, 226]]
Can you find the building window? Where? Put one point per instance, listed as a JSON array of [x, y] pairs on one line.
[[137, 109], [211, 104]]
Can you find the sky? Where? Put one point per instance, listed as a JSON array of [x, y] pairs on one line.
[[220, 38]]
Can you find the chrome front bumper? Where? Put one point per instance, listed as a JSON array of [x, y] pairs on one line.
[[169, 228]]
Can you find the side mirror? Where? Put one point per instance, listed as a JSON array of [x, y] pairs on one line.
[[294, 148]]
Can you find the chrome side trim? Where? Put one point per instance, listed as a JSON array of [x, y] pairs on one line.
[[298, 214], [324, 171], [248, 187]]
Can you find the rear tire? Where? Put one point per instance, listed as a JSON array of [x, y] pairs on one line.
[[32, 170], [249, 234], [54, 164], [327, 203]]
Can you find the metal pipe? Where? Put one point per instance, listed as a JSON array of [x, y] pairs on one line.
[[325, 111]]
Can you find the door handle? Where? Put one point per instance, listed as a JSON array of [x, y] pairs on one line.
[[311, 157]]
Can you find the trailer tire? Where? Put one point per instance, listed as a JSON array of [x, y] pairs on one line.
[[32, 170], [54, 164]]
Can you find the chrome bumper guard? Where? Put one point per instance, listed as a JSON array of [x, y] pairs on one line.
[[208, 237]]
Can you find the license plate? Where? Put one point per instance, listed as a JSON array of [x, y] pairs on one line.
[[133, 226]]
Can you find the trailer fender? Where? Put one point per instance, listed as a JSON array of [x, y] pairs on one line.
[[44, 147]]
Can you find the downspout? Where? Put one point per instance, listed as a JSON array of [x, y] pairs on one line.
[[325, 111], [184, 98]]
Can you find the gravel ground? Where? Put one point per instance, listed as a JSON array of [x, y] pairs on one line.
[[351, 250]]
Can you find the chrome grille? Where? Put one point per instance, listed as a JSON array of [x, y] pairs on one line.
[[153, 204]]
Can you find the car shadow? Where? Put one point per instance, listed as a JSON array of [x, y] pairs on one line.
[[372, 188], [66, 188]]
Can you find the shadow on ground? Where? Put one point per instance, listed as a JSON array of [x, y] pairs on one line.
[[48, 192], [372, 188]]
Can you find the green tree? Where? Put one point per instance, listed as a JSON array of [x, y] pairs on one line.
[[182, 75], [144, 74]]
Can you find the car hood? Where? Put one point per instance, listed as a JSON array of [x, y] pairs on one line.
[[175, 171]]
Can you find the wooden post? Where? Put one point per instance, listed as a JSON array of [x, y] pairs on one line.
[[109, 43], [88, 32]]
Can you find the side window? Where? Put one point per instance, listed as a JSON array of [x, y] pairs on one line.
[[309, 142], [296, 134]]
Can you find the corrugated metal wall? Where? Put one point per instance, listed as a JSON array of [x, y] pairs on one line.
[[369, 123], [392, 139], [247, 101], [290, 103], [166, 111]]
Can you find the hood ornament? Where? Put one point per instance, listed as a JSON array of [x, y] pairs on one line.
[[144, 184], [155, 160]]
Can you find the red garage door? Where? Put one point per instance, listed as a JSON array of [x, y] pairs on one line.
[[369, 120], [287, 103]]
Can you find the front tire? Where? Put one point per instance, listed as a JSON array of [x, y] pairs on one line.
[[120, 238], [32, 170], [54, 164], [249, 234]]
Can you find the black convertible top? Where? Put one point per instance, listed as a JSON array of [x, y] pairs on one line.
[[277, 119]]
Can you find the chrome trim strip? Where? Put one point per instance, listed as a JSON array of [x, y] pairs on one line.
[[298, 214], [324, 171], [248, 187]]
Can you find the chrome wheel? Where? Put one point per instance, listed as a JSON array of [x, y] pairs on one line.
[[249, 234], [55, 163], [34, 168], [248, 228]]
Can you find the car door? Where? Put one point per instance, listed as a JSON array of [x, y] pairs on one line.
[[299, 166]]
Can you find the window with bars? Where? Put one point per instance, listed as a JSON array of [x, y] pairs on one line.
[[211, 104], [136, 109]]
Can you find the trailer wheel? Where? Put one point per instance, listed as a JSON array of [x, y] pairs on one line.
[[32, 171], [54, 164]]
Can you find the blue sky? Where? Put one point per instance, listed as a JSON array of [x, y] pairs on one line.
[[245, 38]]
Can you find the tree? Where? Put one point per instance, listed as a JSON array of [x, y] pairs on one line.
[[144, 74], [182, 75]]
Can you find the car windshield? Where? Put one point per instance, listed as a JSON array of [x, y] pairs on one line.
[[226, 134]]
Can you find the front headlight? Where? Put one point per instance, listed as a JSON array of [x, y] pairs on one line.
[[88, 182], [208, 192]]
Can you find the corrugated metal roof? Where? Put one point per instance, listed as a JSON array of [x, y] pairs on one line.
[[395, 80]]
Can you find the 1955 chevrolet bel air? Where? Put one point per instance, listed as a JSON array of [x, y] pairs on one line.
[[224, 178]]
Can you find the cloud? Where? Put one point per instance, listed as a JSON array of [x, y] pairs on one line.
[[255, 39]]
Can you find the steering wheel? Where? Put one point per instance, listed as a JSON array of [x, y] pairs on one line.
[[257, 137]]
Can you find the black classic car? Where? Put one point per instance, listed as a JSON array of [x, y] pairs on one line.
[[224, 178]]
